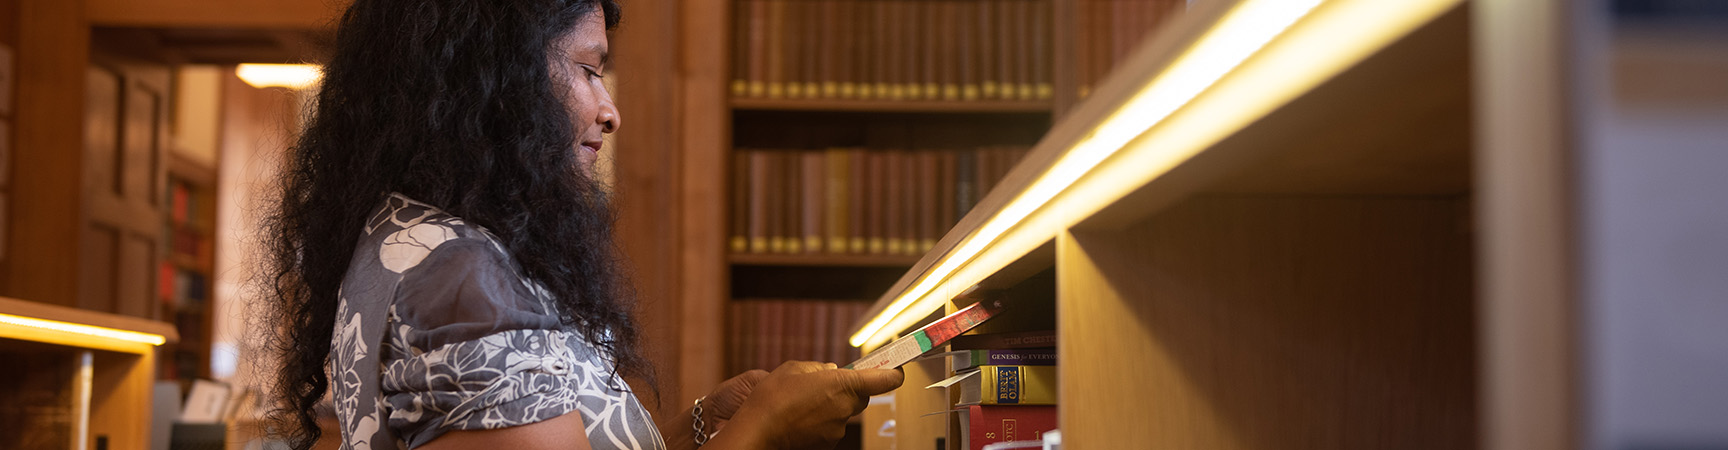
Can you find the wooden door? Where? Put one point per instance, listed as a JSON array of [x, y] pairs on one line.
[[125, 137]]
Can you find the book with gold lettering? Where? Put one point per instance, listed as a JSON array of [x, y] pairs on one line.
[[985, 425], [1005, 385]]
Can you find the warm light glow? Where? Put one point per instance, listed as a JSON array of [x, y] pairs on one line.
[[1238, 36], [292, 76], [82, 329], [1349, 31]]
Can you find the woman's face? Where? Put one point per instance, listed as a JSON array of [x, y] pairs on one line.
[[583, 60]]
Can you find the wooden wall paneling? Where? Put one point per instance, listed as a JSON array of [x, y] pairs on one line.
[[48, 162], [704, 149], [1270, 322], [1525, 135], [98, 246]]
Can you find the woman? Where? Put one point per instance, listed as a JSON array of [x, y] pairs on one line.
[[442, 263]]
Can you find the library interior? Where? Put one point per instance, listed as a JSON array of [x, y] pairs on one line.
[[1079, 224]]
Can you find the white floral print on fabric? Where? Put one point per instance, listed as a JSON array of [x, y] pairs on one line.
[[399, 394]]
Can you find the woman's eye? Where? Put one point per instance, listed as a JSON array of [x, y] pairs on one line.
[[593, 73]]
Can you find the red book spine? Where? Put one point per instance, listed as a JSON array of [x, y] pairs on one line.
[[991, 424]]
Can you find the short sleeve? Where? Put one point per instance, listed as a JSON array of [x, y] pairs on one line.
[[471, 347]]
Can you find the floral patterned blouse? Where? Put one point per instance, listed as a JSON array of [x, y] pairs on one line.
[[436, 331]]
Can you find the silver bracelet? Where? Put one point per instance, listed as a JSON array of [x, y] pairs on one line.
[[696, 423]]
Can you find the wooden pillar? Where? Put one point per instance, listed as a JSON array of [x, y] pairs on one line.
[[52, 55], [646, 165]]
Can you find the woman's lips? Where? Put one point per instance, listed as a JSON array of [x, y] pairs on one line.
[[593, 146]]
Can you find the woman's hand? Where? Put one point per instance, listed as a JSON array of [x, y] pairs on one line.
[[805, 404], [723, 402]]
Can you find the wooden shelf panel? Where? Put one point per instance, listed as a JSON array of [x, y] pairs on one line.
[[996, 106], [821, 260]]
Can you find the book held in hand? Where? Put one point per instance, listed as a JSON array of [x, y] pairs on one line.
[[909, 347]]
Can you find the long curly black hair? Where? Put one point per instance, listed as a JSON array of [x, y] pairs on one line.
[[453, 103]]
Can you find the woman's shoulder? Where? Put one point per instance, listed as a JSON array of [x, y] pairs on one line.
[[405, 231]]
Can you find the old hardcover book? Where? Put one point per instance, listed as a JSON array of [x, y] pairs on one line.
[[1006, 38], [965, 181], [740, 85], [877, 197], [966, 49], [776, 200], [910, 203], [757, 60], [964, 360], [792, 186], [815, 27], [857, 200], [985, 425], [815, 195], [1082, 46], [1024, 42], [760, 164], [878, 52], [1043, 87], [846, 20], [828, 50], [1022, 339], [839, 193], [988, 40], [929, 228], [945, 210], [1007, 385], [739, 239], [776, 51], [909, 347], [895, 209]]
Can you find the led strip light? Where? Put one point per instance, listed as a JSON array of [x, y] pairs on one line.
[[81, 329]]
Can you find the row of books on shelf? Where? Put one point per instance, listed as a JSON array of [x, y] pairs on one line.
[[1109, 29], [1002, 388], [181, 288], [930, 50], [857, 201], [762, 333]]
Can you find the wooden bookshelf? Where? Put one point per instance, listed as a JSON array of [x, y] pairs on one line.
[[989, 106], [820, 259], [84, 386], [186, 281], [1318, 274]]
